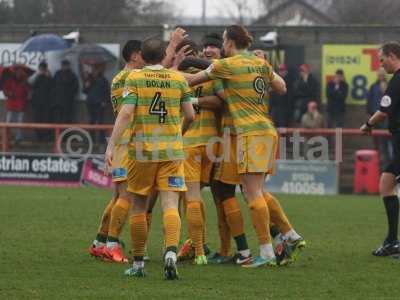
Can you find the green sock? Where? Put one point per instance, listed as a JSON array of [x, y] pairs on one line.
[[101, 238]]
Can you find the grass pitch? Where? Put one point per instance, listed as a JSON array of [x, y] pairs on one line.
[[45, 234]]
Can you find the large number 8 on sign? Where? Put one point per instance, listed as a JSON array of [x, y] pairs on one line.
[[360, 87], [260, 87]]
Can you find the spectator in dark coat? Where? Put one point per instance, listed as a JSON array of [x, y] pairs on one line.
[[66, 87], [336, 93], [97, 89], [41, 97], [281, 106], [306, 89]]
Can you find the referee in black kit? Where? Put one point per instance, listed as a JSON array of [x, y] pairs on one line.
[[389, 108]]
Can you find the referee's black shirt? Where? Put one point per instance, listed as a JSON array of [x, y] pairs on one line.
[[390, 103]]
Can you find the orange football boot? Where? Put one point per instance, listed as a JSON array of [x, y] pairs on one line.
[[97, 251], [115, 254], [187, 251]]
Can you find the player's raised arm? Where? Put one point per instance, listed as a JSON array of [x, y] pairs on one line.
[[278, 85], [197, 78], [215, 71], [194, 62], [176, 37], [192, 79]]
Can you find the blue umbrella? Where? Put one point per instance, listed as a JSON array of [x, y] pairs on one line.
[[44, 43]]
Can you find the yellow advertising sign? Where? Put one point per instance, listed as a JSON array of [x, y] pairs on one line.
[[359, 63]]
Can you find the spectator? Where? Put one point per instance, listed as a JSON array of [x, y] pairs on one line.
[[66, 87], [16, 90], [41, 98], [281, 106], [97, 89], [336, 93], [312, 118], [375, 94], [306, 89]]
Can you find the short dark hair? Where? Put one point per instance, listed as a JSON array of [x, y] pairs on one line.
[[339, 72], [213, 39], [193, 48], [239, 35], [391, 47], [130, 47], [153, 50]]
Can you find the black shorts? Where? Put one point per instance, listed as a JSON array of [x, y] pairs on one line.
[[394, 166]]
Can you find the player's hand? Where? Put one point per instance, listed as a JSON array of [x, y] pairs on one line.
[[180, 56], [365, 129], [108, 157], [178, 35]]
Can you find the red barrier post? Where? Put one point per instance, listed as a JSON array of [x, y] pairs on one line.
[[4, 139], [57, 142]]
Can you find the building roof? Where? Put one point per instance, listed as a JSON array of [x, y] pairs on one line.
[[294, 12]]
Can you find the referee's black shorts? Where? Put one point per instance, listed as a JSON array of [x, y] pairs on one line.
[[394, 165]]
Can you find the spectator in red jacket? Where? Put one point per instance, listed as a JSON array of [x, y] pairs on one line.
[[16, 90]]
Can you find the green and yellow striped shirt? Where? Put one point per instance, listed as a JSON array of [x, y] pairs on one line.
[[246, 79], [117, 89], [204, 126], [157, 93]]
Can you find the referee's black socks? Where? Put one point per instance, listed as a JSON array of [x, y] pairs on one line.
[[392, 212]]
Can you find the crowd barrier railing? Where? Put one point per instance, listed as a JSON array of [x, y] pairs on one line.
[[59, 128]]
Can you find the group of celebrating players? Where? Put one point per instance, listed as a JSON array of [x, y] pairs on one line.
[[186, 119]]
